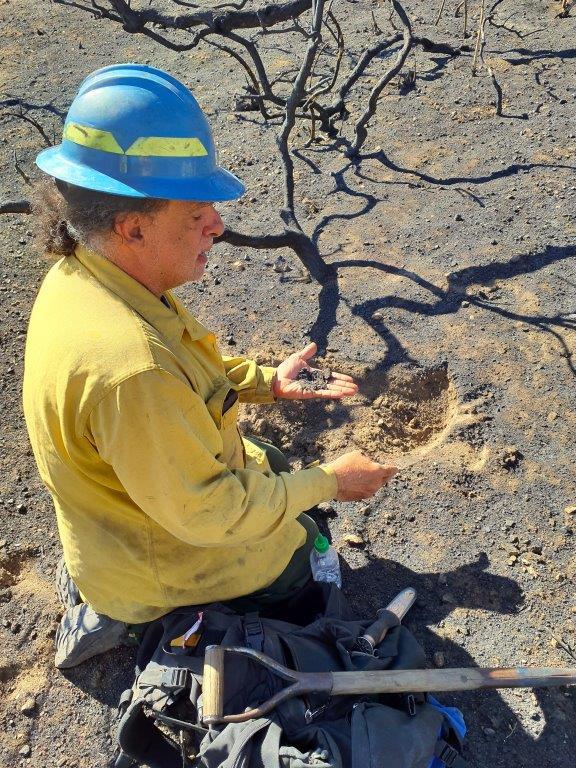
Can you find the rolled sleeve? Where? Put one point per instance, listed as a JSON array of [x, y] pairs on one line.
[[253, 382]]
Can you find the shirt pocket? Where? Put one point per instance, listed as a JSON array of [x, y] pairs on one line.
[[223, 405]]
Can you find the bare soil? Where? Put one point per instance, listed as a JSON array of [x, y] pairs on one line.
[[454, 307]]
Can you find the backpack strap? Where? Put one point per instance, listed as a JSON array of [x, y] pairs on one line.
[[448, 755], [140, 739], [173, 679], [160, 685], [270, 751], [253, 632]]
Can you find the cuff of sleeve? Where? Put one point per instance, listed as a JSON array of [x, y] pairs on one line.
[[268, 373], [261, 389], [308, 487]]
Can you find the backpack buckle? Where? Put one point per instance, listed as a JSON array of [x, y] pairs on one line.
[[175, 678], [310, 714], [254, 632], [448, 755], [409, 701]]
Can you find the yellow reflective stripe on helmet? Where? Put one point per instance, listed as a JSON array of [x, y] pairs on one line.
[[146, 146], [161, 146], [91, 137]]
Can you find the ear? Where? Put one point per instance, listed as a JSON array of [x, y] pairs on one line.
[[129, 227]]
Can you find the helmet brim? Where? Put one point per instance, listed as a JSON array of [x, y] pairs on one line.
[[218, 186]]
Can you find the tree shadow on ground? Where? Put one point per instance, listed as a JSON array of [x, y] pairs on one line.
[[446, 300], [511, 170], [438, 69], [443, 301], [495, 732], [28, 106], [528, 56]]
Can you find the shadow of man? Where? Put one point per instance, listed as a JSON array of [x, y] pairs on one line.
[[497, 736]]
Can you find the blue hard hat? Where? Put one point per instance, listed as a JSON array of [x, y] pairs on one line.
[[136, 131]]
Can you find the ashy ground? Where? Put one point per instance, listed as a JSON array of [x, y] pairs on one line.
[[454, 306]]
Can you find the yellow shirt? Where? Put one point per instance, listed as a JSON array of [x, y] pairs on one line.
[[132, 416]]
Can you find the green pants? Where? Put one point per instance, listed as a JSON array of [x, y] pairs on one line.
[[297, 572]]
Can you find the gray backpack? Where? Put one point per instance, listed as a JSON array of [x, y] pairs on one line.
[[160, 716]]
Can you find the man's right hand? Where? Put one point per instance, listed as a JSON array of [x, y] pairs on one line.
[[358, 476]]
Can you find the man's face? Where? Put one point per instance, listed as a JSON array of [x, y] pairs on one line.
[[180, 235]]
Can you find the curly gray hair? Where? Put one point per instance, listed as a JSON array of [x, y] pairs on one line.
[[67, 216]]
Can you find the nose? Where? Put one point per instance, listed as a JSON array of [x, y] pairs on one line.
[[215, 226]]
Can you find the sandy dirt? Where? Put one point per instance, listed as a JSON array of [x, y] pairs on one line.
[[454, 307]]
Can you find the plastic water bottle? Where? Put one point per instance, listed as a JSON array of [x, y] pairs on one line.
[[324, 561]]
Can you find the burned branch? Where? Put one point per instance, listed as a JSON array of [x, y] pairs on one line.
[[22, 115], [360, 129], [480, 39], [479, 61], [222, 23], [498, 90], [16, 206]]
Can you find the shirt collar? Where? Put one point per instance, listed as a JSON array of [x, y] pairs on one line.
[[171, 322]]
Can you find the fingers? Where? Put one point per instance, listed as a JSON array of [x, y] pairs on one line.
[[335, 376], [342, 383], [359, 477], [334, 392], [308, 351], [339, 385]]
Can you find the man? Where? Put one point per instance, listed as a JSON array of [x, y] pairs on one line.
[[130, 407]]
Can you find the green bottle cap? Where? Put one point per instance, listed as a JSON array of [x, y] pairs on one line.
[[321, 544]]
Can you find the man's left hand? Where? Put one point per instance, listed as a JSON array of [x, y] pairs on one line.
[[287, 386]]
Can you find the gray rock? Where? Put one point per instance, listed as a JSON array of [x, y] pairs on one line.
[[439, 659], [449, 598]]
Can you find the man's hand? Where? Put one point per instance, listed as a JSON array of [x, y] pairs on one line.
[[287, 386], [359, 477]]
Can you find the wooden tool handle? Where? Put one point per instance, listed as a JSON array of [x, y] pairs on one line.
[[429, 680], [213, 684], [353, 683]]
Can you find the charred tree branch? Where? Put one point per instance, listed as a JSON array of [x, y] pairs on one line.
[[257, 96], [260, 68], [224, 23], [28, 119], [307, 250], [237, 6], [16, 206], [96, 10], [360, 129], [480, 39], [292, 238], [432, 47], [253, 241], [358, 71], [292, 103], [339, 38], [498, 90]]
